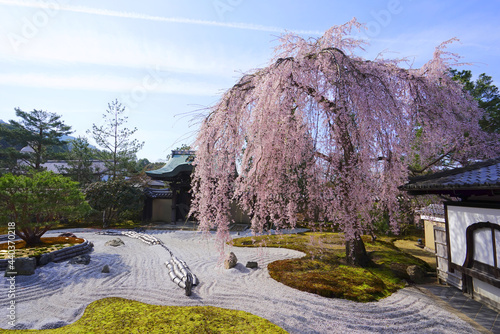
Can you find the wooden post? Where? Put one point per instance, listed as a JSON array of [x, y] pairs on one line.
[[173, 214]]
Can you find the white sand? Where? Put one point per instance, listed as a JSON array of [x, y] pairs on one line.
[[59, 292]]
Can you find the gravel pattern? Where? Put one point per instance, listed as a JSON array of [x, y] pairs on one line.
[[58, 293]]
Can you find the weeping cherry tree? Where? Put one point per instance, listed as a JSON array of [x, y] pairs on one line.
[[327, 134]]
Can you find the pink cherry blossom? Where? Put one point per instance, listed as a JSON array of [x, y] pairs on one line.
[[324, 134]]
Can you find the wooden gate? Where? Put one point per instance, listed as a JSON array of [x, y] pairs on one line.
[[443, 273]]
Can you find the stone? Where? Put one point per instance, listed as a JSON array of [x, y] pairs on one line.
[[416, 273], [105, 269], [67, 235], [115, 242], [22, 266], [252, 265], [189, 284], [80, 259], [230, 261], [45, 258]]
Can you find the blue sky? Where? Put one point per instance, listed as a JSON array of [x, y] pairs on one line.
[[166, 60]]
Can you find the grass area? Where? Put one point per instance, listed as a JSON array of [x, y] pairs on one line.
[[410, 247], [118, 315], [323, 269], [48, 245]]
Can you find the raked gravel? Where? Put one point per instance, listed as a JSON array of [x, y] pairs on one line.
[[57, 294]]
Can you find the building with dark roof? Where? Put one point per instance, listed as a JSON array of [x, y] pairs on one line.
[[468, 247], [171, 204], [480, 179]]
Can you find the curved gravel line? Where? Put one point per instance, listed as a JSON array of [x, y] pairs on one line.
[[59, 292]]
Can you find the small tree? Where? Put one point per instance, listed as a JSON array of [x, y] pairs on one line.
[[35, 203], [38, 129], [80, 162], [119, 150], [326, 133], [114, 198]]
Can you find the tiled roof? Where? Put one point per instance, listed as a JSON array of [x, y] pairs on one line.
[[158, 193], [482, 176], [436, 210], [179, 162], [58, 166]]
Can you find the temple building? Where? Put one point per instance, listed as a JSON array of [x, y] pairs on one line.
[[467, 241], [171, 204]]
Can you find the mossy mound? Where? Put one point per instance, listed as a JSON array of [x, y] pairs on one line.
[[324, 271], [118, 315], [47, 245]]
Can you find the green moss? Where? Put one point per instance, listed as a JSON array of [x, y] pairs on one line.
[[323, 270], [118, 315], [49, 244]]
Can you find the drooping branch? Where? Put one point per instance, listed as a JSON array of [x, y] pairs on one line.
[[328, 135], [430, 164]]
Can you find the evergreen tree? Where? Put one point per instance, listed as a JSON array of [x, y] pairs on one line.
[[485, 93], [119, 150], [81, 162], [40, 130], [36, 202]]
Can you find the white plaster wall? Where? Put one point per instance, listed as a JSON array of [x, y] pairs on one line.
[[482, 289], [459, 218]]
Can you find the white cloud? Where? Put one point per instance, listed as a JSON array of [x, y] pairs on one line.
[[131, 15], [91, 47], [131, 87]]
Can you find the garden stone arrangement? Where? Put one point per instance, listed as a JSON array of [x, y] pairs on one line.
[[178, 270], [55, 256], [58, 293]]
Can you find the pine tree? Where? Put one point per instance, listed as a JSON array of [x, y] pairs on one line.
[[119, 150], [39, 130]]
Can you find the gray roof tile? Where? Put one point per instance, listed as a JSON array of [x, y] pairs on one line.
[[483, 175]]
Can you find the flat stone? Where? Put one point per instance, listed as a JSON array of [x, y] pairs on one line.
[[67, 235], [45, 258], [22, 266], [80, 259], [115, 242], [252, 265]]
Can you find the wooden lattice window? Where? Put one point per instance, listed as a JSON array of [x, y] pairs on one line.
[[488, 272]]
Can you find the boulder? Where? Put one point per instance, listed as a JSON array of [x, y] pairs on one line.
[[80, 259], [45, 258], [416, 273], [230, 261], [105, 269], [67, 235], [252, 265], [22, 266], [115, 242]]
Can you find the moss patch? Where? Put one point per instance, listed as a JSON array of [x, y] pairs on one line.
[[118, 315], [48, 245], [410, 246], [323, 270]]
